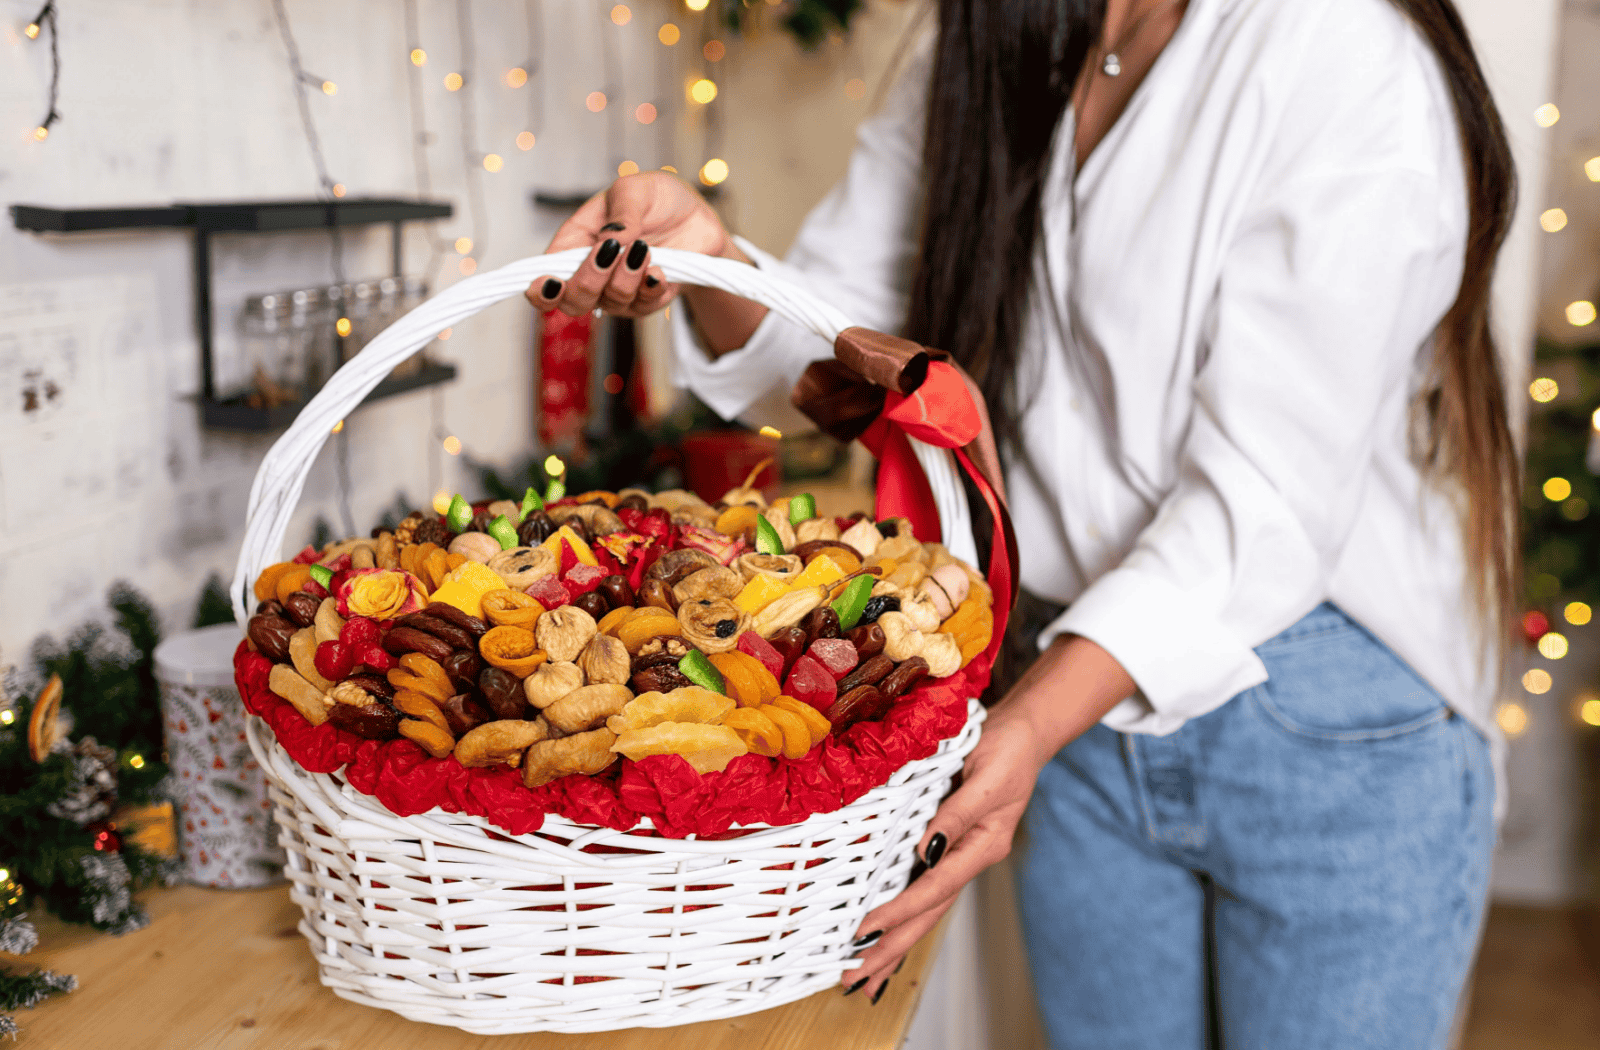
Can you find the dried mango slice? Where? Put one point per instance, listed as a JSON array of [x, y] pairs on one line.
[[464, 587], [816, 722], [751, 683], [796, 737], [759, 733], [512, 649], [708, 749], [822, 571]]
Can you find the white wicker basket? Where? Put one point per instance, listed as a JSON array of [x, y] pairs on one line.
[[443, 918]]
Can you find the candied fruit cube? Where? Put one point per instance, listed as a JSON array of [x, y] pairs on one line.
[[752, 644], [835, 654], [822, 571], [759, 593], [811, 682]]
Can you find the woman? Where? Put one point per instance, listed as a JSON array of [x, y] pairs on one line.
[[1222, 270]]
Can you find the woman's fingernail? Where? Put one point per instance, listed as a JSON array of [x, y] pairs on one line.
[[884, 987], [935, 848], [551, 289], [607, 253], [651, 282], [637, 253], [854, 988], [871, 938], [612, 227]]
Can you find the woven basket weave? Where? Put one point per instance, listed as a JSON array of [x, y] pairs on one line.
[[443, 918]]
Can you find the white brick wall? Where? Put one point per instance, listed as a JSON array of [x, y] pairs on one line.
[[162, 101]]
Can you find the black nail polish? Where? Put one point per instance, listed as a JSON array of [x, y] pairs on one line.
[[869, 939], [651, 282], [884, 987], [935, 850], [637, 253], [612, 227], [854, 988], [607, 253], [551, 289]]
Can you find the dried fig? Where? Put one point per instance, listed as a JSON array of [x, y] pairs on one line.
[[587, 707], [674, 566], [605, 661], [551, 682], [499, 743], [588, 753], [815, 529], [563, 632]]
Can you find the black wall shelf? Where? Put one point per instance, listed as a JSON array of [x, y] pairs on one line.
[[207, 220]]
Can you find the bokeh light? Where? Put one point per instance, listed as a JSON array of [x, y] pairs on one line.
[[645, 113], [493, 162], [1577, 613], [714, 50], [525, 140], [668, 34], [627, 168], [1546, 115], [419, 57], [1553, 646], [596, 101], [1512, 718], [453, 81], [621, 15], [714, 171], [1557, 489], [1553, 221], [1580, 313], [855, 88], [516, 76], [702, 91], [452, 445], [1544, 389], [1537, 680]]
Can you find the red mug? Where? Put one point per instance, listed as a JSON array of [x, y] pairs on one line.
[[715, 461]]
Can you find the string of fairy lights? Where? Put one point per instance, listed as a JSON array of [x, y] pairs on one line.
[[1548, 639], [45, 23]]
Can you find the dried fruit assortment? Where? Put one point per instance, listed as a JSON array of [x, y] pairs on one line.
[[558, 636]]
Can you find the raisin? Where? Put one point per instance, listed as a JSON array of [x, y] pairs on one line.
[[725, 628], [877, 606]]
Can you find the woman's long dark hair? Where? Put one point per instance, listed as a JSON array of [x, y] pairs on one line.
[[1002, 78]]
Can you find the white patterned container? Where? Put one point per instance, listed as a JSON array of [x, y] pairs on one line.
[[441, 918], [226, 836]]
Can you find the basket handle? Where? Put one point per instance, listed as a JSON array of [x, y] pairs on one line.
[[282, 474]]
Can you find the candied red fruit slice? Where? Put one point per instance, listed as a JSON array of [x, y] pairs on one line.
[[835, 654], [547, 591], [752, 644], [811, 683]]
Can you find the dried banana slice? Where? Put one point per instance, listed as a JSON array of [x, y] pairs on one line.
[[712, 625], [520, 566]]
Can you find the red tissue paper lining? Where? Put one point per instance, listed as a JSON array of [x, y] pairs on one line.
[[664, 788]]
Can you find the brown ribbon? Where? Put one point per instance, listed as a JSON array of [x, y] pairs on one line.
[[845, 395]]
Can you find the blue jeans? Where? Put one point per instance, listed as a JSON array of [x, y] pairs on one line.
[[1343, 814]]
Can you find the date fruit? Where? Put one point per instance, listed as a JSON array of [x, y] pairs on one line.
[[301, 607], [503, 692], [862, 704], [868, 639], [271, 635], [904, 677], [872, 671], [368, 721]]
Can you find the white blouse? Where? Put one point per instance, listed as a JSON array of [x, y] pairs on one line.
[[1232, 311]]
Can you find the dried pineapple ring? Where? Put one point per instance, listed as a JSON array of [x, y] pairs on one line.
[[512, 649], [645, 624], [509, 608], [708, 749], [816, 722], [796, 737], [688, 704], [759, 733]]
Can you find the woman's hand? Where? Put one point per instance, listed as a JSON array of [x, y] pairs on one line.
[[621, 223], [1070, 688]]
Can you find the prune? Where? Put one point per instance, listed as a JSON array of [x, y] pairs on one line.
[[503, 692], [463, 712], [535, 529], [877, 605], [368, 721], [432, 530], [662, 678], [301, 607]]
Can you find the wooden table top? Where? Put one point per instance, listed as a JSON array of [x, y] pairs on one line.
[[228, 970]]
